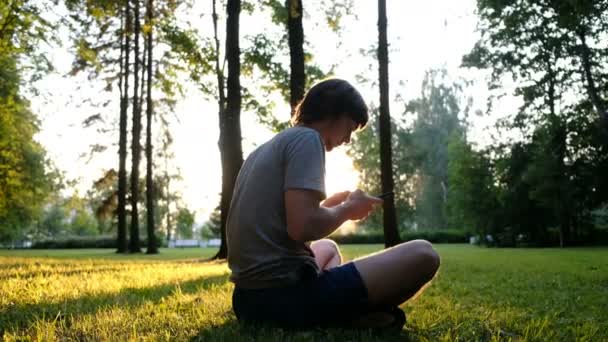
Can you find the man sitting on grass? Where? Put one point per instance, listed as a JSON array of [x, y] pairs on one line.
[[284, 272]]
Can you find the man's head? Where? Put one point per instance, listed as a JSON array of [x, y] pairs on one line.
[[335, 107], [331, 98]]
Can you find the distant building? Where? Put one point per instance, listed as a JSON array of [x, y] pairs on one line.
[[181, 243]]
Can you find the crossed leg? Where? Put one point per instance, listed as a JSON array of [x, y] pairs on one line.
[[396, 274], [391, 276], [327, 253]]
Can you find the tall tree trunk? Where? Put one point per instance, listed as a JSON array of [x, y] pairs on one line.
[[122, 140], [135, 143], [296, 51], [230, 125], [591, 87], [391, 234], [166, 191], [218, 69], [558, 150], [221, 105], [150, 195]]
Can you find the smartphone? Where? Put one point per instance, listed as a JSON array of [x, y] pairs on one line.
[[385, 195]]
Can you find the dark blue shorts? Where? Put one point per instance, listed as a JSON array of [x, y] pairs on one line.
[[332, 298]]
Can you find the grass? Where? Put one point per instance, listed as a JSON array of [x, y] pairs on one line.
[[479, 294]]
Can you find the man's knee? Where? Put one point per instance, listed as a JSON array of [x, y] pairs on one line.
[[330, 245], [426, 257], [429, 258]]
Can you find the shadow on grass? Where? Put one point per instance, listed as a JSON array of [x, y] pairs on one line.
[[22, 315], [234, 330]]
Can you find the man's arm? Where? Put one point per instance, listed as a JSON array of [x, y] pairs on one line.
[[307, 220], [335, 199]]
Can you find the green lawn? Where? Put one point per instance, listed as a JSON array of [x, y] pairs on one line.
[[479, 294]]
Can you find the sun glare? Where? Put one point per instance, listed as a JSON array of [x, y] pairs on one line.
[[340, 175]]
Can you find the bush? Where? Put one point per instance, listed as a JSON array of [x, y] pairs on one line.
[[434, 236], [84, 242]]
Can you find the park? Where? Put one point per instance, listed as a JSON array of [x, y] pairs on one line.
[[479, 294], [414, 171]]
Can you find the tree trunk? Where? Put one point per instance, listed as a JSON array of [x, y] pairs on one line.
[[135, 142], [218, 69], [591, 87], [122, 140], [391, 234], [296, 51], [167, 198], [230, 126], [558, 149], [150, 195]]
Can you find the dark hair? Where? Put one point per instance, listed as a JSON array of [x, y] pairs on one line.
[[331, 98]]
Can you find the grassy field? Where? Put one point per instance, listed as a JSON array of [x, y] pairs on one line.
[[479, 294]]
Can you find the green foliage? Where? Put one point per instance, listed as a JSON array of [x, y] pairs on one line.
[[71, 216], [431, 235], [26, 176], [600, 217], [472, 202], [211, 229], [438, 117], [54, 222], [197, 56], [185, 222], [22, 28], [548, 183], [81, 242], [519, 212], [420, 154], [478, 294], [364, 150], [83, 223]]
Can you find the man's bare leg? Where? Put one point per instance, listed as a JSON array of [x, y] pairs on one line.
[[394, 275], [327, 253]]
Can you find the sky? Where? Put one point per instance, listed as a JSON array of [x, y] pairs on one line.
[[421, 34]]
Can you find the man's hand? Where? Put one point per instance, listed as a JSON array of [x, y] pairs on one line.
[[359, 204], [335, 199], [307, 220]]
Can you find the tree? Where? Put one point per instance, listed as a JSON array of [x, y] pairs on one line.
[[230, 124], [185, 221], [420, 152], [104, 36], [516, 36], [82, 220], [391, 234], [545, 46], [53, 222], [297, 79], [103, 199], [585, 21], [437, 113], [266, 57], [364, 150], [122, 140], [150, 188], [165, 195], [27, 178], [135, 138], [472, 203]]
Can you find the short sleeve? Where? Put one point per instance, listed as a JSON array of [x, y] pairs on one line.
[[305, 163]]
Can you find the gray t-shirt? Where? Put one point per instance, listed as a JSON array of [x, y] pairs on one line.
[[260, 252]]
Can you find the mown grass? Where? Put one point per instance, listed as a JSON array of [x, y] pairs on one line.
[[479, 294]]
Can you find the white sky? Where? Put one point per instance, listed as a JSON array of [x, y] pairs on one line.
[[422, 35]]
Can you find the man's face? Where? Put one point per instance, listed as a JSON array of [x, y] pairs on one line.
[[339, 132]]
